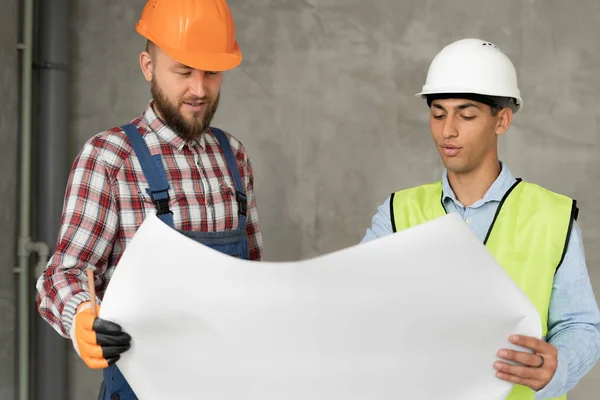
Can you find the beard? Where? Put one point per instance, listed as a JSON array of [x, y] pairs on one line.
[[174, 119]]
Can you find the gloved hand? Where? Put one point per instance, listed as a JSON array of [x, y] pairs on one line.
[[98, 342]]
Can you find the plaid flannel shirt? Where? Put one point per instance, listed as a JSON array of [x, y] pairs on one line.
[[106, 202]]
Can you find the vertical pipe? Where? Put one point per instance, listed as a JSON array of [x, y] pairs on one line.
[[25, 196], [52, 116]]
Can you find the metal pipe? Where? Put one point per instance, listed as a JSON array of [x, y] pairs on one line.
[[52, 172], [24, 217]]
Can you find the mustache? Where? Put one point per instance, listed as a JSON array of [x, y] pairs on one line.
[[195, 99]]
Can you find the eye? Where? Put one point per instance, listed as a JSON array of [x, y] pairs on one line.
[[186, 73], [469, 118], [438, 117]]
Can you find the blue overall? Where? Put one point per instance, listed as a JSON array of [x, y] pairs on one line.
[[234, 242]]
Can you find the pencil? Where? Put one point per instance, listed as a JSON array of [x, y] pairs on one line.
[[92, 289]]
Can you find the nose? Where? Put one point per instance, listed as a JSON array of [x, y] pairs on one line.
[[449, 128], [198, 84]]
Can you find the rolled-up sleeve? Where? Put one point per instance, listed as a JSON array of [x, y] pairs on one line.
[[573, 321]]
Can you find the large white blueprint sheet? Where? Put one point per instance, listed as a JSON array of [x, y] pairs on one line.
[[416, 315]]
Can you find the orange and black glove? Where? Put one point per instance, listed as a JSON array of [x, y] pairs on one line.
[[98, 342]]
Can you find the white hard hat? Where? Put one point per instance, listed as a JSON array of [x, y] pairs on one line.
[[472, 66]]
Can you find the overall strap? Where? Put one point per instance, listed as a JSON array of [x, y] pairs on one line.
[[240, 196], [154, 172]]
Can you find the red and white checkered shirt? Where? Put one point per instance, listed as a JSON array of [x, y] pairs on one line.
[[106, 202]]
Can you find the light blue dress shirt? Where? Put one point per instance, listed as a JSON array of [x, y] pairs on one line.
[[574, 318]]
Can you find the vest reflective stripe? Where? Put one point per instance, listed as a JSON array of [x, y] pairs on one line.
[[528, 238]]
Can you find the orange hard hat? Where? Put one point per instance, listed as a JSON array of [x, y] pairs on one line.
[[197, 33]]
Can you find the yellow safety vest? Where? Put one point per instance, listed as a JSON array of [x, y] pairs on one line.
[[528, 237]]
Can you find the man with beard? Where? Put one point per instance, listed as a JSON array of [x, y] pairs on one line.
[[167, 161], [472, 92]]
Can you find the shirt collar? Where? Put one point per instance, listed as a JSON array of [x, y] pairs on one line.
[[496, 192], [155, 124]]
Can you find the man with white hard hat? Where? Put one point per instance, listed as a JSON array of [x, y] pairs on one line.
[[472, 92], [167, 162]]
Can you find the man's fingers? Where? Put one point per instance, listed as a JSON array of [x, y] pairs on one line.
[[537, 345], [103, 326], [99, 342], [518, 371], [122, 339], [531, 383], [528, 359], [113, 351], [112, 360], [530, 371]]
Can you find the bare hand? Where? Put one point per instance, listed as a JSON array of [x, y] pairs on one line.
[[536, 370]]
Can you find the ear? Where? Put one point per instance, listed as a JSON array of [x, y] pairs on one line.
[[147, 65], [504, 118]]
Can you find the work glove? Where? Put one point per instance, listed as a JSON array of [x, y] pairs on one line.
[[98, 342]]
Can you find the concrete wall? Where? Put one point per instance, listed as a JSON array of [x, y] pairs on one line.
[[324, 102], [9, 106]]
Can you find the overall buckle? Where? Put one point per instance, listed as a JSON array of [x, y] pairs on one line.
[[162, 204], [242, 203]]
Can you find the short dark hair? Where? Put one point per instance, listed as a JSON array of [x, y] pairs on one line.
[[150, 46], [496, 103]]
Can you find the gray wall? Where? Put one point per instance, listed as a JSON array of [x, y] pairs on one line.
[[9, 106], [324, 104]]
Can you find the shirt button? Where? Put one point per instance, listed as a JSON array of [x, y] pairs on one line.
[[115, 397], [468, 220]]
